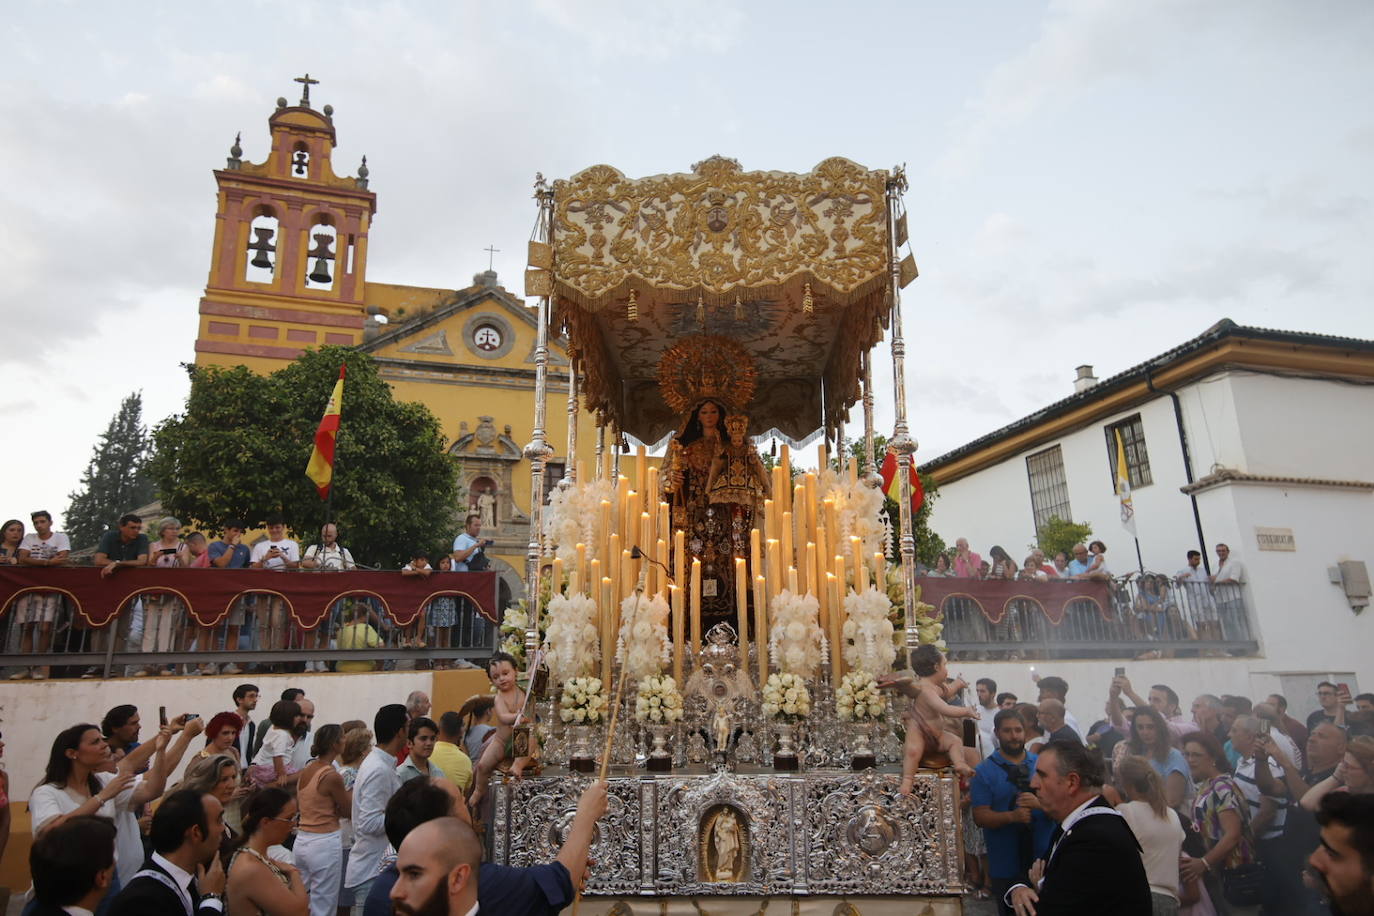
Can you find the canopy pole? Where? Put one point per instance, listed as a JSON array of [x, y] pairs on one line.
[[600, 448], [538, 450], [902, 442], [570, 465], [870, 469]]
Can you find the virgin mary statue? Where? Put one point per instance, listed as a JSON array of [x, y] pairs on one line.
[[710, 380]]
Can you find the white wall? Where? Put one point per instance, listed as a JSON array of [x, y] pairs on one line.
[[35, 711]]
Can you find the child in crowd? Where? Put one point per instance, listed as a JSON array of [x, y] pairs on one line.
[[928, 692], [442, 614], [272, 766], [505, 712], [198, 549], [413, 633]]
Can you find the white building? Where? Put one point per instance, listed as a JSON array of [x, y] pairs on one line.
[[1259, 439]]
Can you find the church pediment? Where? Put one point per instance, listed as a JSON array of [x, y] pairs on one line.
[[485, 442]]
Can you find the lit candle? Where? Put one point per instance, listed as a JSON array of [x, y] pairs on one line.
[[629, 578], [651, 506], [832, 521], [840, 613], [774, 581], [856, 548], [769, 523], [822, 457], [832, 633], [664, 531], [785, 461], [613, 636], [742, 610], [603, 532], [659, 573], [779, 490], [853, 472], [675, 602], [761, 627], [787, 555], [879, 570], [696, 606], [646, 533], [557, 576], [607, 635], [822, 567], [808, 571], [799, 533], [680, 558], [792, 579], [630, 531], [810, 506], [582, 580], [755, 552], [641, 469], [611, 568]]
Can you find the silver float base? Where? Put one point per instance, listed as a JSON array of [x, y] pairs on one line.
[[818, 833]]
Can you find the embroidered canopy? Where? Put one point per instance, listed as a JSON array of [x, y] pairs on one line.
[[793, 267]]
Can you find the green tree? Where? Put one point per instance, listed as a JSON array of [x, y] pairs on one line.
[[928, 543], [240, 448], [1059, 536], [116, 478]]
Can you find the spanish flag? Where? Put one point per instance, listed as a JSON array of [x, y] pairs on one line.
[[321, 466], [892, 486]]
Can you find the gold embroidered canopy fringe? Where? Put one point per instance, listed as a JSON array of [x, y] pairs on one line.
[[794, 268]]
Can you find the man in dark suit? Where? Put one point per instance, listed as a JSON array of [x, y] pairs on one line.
[[72, 866], [183, 877], [1094, 865], [245, 701]]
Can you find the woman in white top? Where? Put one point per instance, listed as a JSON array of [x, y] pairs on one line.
[[75, 783], [1156, 827]]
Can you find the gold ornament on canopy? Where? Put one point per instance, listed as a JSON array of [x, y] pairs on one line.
[[707, 366]]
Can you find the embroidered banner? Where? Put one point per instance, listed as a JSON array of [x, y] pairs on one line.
[[994, 597], [209, 594]]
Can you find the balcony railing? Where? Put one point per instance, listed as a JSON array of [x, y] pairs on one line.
[[1122, 618], [72, 622]]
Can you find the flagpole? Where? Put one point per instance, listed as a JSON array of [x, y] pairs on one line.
[[1139, 562]]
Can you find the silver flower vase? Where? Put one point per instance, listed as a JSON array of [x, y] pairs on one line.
[[785, 755], [581, 753], [660, 758]]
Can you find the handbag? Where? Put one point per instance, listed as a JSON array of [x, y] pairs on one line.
[[1244, 885]]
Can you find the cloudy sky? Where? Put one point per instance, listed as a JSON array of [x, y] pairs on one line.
[[1092, 181]]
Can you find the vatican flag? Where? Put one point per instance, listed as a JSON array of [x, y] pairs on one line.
[[321, 466], [1123, 487]]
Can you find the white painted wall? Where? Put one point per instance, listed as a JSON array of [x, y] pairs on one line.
[[1245, 421], [35, 711]]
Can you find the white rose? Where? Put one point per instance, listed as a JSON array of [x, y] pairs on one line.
[[566, 715], [580, 715]]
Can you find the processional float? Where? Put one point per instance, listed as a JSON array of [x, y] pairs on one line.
[[738, 614]]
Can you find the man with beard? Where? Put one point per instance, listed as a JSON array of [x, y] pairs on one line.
[[1325, 750], [1016, 830], [437, 870], [539, 890], [304, 733], [1344, 862]]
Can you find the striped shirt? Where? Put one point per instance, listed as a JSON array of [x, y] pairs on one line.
[[1245, 779]]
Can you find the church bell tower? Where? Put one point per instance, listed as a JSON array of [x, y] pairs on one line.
[[288, 270]]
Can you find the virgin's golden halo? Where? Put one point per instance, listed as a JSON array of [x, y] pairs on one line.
[[707, 366]]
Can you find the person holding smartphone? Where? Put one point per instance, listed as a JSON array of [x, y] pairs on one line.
[[279, 554], [1333, 699]]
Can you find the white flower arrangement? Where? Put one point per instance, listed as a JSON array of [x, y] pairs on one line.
[[796, 640], [514, 623], [868, 631], [572, 641], [785, 697], [658, 700], [582, 701], [644, 648], [858, 510], [571, 516], [857, 698]]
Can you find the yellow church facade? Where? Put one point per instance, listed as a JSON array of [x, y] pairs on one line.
[[289, 272]]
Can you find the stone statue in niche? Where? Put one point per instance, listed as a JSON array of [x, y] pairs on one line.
[[486, 507], [723, 844]]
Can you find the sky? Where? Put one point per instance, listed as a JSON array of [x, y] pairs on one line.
[[1091, 181]]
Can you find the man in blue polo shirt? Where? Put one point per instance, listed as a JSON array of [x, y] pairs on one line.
[[1017, 832], [539, 890]]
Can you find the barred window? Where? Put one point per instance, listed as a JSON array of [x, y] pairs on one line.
[[1049, 489], [553, 472], [1137, 458]]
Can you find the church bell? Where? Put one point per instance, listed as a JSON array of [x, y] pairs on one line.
[[321, 272]]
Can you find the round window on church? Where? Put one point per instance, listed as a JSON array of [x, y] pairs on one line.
[[487, 338]]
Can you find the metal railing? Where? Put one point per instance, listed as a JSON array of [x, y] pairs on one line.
[[153, 635], [1145, 616]]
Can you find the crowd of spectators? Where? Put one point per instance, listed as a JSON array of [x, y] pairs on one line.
[[1189, 605], [159, 623], [280, 815], [1234, 807]]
